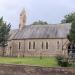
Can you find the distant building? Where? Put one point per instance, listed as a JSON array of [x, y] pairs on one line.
[[37, 40]]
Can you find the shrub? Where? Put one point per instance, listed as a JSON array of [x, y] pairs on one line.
[[62, 61]]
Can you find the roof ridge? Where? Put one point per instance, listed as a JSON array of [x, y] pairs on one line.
[[50, 24]]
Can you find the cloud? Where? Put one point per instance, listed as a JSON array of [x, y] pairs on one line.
[[10, 10], [49, 10]]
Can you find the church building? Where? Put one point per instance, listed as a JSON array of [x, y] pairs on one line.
[[37, 40]]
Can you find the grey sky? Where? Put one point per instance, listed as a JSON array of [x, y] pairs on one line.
[[51, 11]]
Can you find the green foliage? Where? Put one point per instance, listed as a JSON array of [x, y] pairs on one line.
[[71, 35], [69, 18], [4, 32], [39, 23], [62, 61]]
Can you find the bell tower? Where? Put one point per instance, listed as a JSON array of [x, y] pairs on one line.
[[22, 19]]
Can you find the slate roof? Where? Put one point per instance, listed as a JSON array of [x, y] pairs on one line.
[[41, 31], [12, 33]]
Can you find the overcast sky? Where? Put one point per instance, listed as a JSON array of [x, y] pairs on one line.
[[51, 11]]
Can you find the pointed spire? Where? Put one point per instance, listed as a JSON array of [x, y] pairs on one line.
[[23, 11], [22, 19]]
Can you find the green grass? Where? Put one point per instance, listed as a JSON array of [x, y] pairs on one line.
[[45, 61]]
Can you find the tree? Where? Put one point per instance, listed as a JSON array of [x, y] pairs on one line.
[[69, 18], [71, 35], [40, 23], [4, 34]]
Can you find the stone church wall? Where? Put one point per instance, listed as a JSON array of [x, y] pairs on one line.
[[21, 47]]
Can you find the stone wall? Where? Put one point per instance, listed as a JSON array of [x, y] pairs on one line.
[[41, 53], [34, 70], [54, 47]]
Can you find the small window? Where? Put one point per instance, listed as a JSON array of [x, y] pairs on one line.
[[42, 45], [58, 45], [33, 45], [10, 47], [46, 45], [23, 20], [29, 45], [58, 42], [19, 45], [20, 14]]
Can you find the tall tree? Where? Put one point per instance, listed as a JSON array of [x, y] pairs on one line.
[[4, 34], [71, 35], [40, 23], [69, 18]]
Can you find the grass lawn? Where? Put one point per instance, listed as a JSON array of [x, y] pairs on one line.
[[45, 61]]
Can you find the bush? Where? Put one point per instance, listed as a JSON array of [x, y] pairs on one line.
[[62, 61]]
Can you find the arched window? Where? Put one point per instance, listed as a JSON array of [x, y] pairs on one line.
[[10, 47], [33, 45], [46, 45], [10, 51], [29, 45], [19, 45], [42, 45], [57, 44]]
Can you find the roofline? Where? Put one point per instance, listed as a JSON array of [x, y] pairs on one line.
[[49, 24], [38, 38]]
